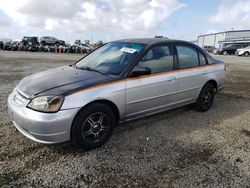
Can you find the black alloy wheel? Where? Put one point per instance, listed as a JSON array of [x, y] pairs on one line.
[[206, 98], [93, 126]]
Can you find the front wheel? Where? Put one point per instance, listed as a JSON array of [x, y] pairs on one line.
[[246, 54], [206, 98], [93, 126]]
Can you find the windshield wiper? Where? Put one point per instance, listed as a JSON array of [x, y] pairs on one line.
[[89, 69]]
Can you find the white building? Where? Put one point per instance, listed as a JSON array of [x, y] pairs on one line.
[[224, 38]]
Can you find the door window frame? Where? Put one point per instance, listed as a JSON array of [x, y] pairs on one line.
[[171, 50], [192, 47]]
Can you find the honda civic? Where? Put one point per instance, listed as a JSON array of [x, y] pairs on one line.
[[121, 81]]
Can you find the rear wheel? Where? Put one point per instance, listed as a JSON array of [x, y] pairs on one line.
[[43, 43], [93, 126], [246, 54], [206, 98]]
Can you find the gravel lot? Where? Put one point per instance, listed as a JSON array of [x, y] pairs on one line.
[[178, 148]]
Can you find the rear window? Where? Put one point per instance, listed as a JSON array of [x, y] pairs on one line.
[[188, 56]]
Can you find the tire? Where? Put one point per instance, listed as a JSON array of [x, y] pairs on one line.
[[206, 98], [43, 43], [246, 54], [224, 52], [89, 130]]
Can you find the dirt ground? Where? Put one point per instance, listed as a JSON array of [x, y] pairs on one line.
[[178, 148]]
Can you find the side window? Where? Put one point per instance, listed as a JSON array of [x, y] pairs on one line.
[[188, 56], [158, 59], [202, 59]]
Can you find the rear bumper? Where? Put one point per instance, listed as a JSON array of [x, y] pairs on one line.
[[47, 128]]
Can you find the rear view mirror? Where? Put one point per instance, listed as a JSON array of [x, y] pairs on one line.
[[140, 71]]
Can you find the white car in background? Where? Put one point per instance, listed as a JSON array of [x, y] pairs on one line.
[[243, 51]]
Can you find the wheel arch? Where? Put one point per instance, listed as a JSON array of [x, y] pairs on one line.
[[214, 83], [109, 103]]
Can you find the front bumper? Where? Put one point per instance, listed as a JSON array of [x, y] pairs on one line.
[[239, 53], [47, 128]]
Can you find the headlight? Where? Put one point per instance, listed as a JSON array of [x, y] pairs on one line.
[[46, 103]]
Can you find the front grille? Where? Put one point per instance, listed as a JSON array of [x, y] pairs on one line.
[[19, 99]]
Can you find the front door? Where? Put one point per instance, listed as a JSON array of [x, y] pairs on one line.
[[154, 92]]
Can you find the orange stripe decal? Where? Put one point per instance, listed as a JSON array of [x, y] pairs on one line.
[[145, 76]]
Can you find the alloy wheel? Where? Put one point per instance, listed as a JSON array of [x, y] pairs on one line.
[[207, 96], [95, 127]]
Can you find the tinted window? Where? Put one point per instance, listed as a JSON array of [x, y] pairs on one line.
[[158, 59], [188, 56], [202, 59]]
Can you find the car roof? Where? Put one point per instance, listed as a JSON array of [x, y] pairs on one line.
[[149, 41]]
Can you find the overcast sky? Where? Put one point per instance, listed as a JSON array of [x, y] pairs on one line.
[[114, 19]]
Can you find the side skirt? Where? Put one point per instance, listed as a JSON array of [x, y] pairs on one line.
[[157, 111]]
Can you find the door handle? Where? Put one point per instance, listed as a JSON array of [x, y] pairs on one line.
[[205, 72], [171, 78]]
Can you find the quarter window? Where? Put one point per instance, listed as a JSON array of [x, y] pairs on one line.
[[158, 59], [202, 59], [188, 56]]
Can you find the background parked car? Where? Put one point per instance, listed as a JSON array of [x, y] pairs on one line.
[[15, 45], [7, 46], [209, 48], [30, 40], [1, 45], [47, 44], [48, 40], [230, 49], [29, 43], [98, 44], [84, 47], [243, 51]]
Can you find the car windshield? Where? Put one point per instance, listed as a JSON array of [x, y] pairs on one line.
[[248, 47], [112, 58]]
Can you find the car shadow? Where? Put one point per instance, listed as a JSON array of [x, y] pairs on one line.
[[175, 122], [176, 148]]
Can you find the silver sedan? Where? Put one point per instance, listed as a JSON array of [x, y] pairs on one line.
[[121, 81]]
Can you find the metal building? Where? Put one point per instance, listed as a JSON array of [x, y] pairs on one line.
[[224, 38]]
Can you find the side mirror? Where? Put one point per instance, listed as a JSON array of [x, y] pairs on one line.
[[140, 71]]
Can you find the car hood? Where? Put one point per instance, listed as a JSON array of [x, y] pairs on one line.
[[59, 81]]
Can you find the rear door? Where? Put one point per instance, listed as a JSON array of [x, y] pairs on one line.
[[192, 72], [154, 92]]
